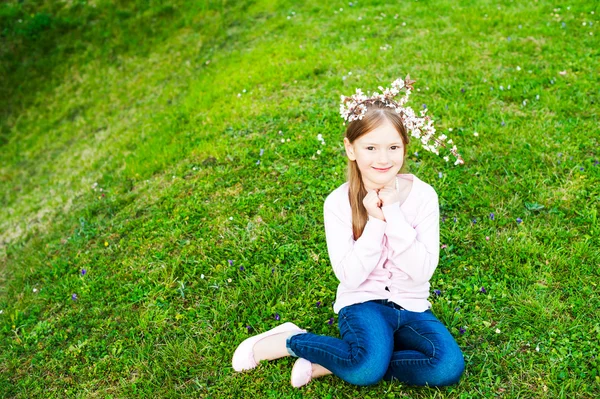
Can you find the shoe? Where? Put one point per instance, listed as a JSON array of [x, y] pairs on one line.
[[301, 373], [243, 357]]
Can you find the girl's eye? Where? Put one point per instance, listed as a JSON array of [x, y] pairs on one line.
[[395, 147], [370, 148]]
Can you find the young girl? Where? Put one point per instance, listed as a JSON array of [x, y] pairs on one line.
[[382, 232]]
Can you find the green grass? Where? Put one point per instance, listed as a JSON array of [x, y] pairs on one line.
[[129, 148]]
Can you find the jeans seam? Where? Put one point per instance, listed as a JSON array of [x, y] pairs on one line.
[[356, 336]]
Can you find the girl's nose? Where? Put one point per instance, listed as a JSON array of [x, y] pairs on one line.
[[383, 157]]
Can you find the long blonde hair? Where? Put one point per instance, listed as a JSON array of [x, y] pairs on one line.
[[377, 113]]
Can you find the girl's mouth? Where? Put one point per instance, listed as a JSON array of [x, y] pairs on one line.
[[382, 170]]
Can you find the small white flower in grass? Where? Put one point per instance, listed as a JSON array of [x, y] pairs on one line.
[[525, 102], [283, 140], [243, 91], [202, 276], [501, 87], [344, 77], [318, 152], [475, 134], [288, 140], [498, 331], [239, 94], [440, 175], [584, 24], [537, 348], [350, 73], [537, 97], [562, 73], [446, 158], [35, 290], [229, 280], [591, 33], [450, 129], [1, 311], [518, 68], [403, 23], [230, 217]]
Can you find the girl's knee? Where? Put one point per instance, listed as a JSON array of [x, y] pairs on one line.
[[367, 368], [447, 369]]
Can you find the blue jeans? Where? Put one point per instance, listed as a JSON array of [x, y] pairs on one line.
[[380, 340]]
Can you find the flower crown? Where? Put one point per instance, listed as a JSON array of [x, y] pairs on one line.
[[355, 107]]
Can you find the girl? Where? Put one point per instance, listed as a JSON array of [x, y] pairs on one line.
[[382, 232]]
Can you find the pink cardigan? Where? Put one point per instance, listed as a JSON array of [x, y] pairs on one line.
[[391, 260]]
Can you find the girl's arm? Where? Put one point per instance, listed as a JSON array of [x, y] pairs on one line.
[[414, 250], [352, 261]]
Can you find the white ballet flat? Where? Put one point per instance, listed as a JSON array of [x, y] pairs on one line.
[[301, 373], [243, 357]]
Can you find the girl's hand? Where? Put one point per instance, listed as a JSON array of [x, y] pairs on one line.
[[373, 205], [389, 195]]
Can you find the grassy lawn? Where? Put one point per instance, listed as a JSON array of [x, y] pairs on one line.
[[162, 185]]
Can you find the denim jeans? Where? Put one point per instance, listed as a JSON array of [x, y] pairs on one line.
[[380, 340]]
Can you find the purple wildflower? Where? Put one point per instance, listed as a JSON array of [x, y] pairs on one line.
[[230, 262], [277, 316], [248, 328], [519, 220], [502, 123], [508, 38], [455, 219], [258, 162], [437, 292], [74, 297], [83, 272], [443, 219], [318, 304], [462, 90], [474, 220], [581, 169], [456, 309], [461, 331], [492, 216], [272, 270], [596, 162], [242, 268], [440, 175], [330, 322], [483, 290], [424, 106]]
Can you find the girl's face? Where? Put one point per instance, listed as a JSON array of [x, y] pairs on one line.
[[379, 155]]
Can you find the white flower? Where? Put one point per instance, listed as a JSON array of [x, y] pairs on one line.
[[318, 152], [475, 134], [498, 331], [518, 68], [35, 290], [202, 276]]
